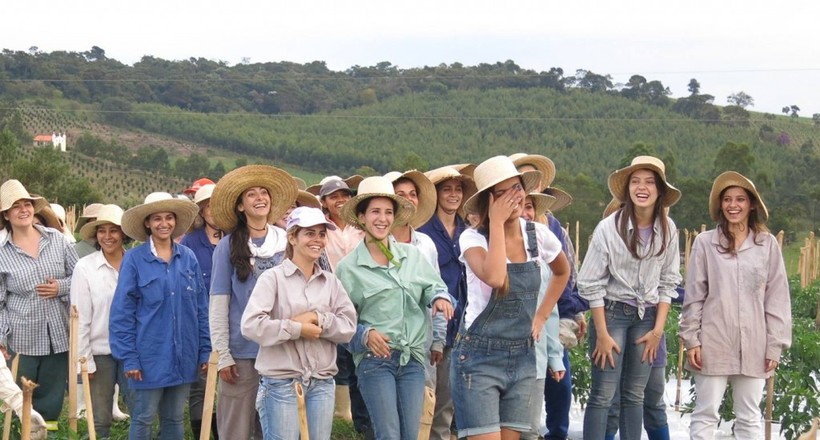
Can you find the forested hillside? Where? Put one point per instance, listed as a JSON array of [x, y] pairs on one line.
[[203, 117]]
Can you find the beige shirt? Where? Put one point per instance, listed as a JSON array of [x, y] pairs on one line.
[[737, 306], [341, 242], [282, 293]]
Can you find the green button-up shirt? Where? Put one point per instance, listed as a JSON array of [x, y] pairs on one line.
[[393, 299]]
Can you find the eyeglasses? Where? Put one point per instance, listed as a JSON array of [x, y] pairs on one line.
[[515, 188]]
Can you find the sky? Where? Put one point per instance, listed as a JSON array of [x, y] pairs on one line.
[[767, 49]]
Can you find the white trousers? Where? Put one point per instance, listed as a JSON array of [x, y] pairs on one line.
[[747, 393]]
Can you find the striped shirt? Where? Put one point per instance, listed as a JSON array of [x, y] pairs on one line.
[[610, 272], [29, 324]]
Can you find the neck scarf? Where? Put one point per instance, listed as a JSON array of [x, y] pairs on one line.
[[266, 250]]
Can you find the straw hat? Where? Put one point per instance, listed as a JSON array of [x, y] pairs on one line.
[[300, 183], [618, 179], [352, 182], [540, 163], [198, 183], [50, 218], [106, 214], [439, 175], [562, 198], [428, 198], [304, 198], [378, 186], [729, 179], [495, 170], [89, 212], [612, 206], [541, 202], [133, 220], [204, 193], [279, 183], [11, 191]]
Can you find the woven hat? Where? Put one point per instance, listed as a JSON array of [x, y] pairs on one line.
[[428, 198], [12, 190], [464, 168], [439, 175], [352, 183], [50, 218], [89, 212], [279, 183], [204, 193], [306, 217], [729, 179], [541, 202], [378, 186], [59, 211], [133, 220], [540, 163], [304, 198], [106, 214], [198, 183], [562, 198], [612, 206], [300, 183], [495, 170], [618, 179]]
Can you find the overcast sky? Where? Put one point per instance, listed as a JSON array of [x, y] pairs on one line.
[[768, 49]]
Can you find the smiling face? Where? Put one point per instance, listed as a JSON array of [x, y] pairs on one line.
[[643, 189], [110, 238], [528, 213], [377, 217], [736, 205], [407, 189], [514, 185], [255, 203], [450, 194], [161, 225], [308, 243], [21, 214], [333, 202]]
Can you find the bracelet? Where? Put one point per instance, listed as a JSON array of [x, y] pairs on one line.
[[655, 334]]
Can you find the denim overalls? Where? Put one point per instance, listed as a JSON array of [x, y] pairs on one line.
[[493, 362]]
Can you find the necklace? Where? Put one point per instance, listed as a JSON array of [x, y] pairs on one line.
[[258, 229]]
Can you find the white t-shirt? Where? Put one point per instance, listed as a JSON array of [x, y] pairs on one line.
[[479, 293]]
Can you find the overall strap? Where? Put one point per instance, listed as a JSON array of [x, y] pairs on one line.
[[532, 241]]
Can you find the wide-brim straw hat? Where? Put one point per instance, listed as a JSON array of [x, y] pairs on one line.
[[11, 191], [439, 175], [618, 179], [562, 198], [464, 168], [304, 198], [541, 203], [729, 179], [377, 186], [89, 212], [352, 182], [540, 163], [133, 220], [107, 214], [495, 170], [279, 183], [612, 206], [300, 183], [426, 191]]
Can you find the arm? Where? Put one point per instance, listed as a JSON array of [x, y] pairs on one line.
[[338, 325], [122, 325], [490, 265], [604, 344], [220, 302], [202, 316], [558, 281], [594, 274], [670, 272], [70, 260], [4, 317], [777, 307], [697, 291], [257, 323], [81, 298]]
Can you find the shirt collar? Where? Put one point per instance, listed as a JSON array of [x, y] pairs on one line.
[[100, 260], [363, 257], [290, 268], [153, 249]]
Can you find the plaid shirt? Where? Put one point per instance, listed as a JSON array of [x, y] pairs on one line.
[[31, 325]]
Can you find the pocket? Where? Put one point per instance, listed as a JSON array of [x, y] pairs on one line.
[[150, 289], [370, 364], [510, 308]]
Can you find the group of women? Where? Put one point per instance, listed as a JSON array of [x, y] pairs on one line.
[[388, 283]]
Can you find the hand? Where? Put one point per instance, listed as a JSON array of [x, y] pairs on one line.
[[134, 374], [49, 289], [650, 350], [582, 327], [307, 318], [501, 208], [310, 331], [693, 356], [203, 368], [603, 351], [557, 376], [771, 365], [377, 343], [436, 357], [537, 325], [444, 306], [229, 374], [5, 352]]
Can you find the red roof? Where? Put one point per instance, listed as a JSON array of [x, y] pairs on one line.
[[42, 138]]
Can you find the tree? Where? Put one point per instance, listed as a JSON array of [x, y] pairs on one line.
[[694, 87], [638, 149], [793, 109], [8, 147], [741, 99], [816, 118], [734, 157], [95, 54]]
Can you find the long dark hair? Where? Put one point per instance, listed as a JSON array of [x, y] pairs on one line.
[[754, 222], [627, 214], [240, 252]]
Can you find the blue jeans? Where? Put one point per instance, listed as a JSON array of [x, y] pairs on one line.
[[279, 411], [654, 407], [169, 402], [394, 395], [625, 327], [558, 398]]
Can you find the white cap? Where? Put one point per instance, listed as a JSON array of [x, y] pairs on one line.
[[306, 217]]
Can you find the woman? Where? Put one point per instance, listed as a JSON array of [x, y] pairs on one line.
[[158, 327], [629, 277], [392, 285], [36, 264], [504, 258], [297, 314], [736, 318], [92, 291], [245, 204], [202, 240]]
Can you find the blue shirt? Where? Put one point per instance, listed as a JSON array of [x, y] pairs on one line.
[[159, 317], [198, 242], [452, 271], [570, 303]]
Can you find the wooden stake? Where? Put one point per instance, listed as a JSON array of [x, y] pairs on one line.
[[769, 401], [210, 392], [72, 369], [681, 354], [304, 432], [7, 419], [89, 410], [25, 421]]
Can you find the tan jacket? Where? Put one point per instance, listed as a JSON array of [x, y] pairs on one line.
[[737, 306]]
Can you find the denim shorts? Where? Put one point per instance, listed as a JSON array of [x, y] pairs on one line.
[[491, 384]]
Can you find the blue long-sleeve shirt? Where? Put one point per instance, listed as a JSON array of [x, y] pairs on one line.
[[159, 317]]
